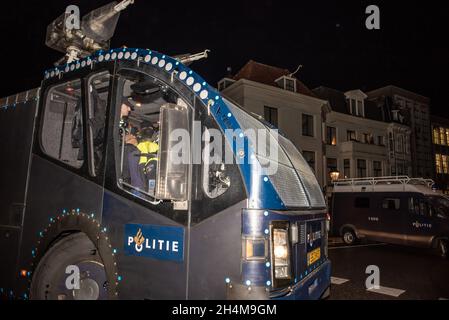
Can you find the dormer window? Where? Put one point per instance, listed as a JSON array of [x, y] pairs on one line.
[[356, 102], [225, 83], [356, 107], [287, 83]]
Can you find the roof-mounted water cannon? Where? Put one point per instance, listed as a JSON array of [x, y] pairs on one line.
[[79, 38]]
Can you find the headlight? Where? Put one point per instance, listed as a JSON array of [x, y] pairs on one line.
[[281, 254]]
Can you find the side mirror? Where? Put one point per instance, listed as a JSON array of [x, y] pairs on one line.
[[174, 153]]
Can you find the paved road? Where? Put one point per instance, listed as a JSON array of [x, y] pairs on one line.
[[405, 273]]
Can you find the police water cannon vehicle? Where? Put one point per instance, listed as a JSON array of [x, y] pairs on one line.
[[399, 210], [125, 175]]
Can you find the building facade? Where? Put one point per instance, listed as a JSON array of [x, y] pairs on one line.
[[440, 145], [399, 105], [366, 145]]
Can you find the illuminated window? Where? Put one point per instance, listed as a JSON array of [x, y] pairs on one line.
[[331, 136], [447, 136], [436, 136], [443, 137], [445, 164], [438, 163]]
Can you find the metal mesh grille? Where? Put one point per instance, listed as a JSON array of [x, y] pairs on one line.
[[295, 156], [286, 180], [315, 194], [305, 173], [289, 187], [302, 234]]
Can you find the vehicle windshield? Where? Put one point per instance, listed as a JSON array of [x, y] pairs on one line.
[[441, 205], [293, 180]]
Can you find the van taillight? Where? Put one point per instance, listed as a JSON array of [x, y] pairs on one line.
[[328, 217]]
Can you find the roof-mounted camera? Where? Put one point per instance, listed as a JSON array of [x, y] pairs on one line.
[[79, 38]]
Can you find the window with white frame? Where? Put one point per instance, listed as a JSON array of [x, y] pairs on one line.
[[287, 83], [356, 107]]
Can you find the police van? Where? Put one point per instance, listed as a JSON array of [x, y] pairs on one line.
[[398, 210], [78, 221]]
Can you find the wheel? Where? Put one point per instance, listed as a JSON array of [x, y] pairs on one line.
[[50, 277], [443, 247], [349, 237]]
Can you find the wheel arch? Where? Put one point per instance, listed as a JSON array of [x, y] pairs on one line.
[[349, 226], [435, 239], [79, 222]]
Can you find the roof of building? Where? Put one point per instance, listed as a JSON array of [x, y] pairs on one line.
[[392, 90], [266, 74], [338, 103], [439, 121]]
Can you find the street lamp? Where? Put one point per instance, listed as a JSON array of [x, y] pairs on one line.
[[334, 175]]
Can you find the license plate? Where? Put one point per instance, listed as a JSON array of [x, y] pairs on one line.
[[313, 256]]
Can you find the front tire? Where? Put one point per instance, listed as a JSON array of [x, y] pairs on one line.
[[50, 277], [349, 237]]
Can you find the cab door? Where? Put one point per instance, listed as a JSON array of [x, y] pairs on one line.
[[149, 220], [420, 224]]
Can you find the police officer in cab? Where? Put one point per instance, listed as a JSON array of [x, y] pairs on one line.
[[149, 149]]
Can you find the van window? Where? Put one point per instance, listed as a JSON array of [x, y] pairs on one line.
[[62, 126], [441, 207], [361, 202], [391, 204], [419, 207]]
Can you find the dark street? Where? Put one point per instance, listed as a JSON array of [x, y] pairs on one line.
[[405, 273]]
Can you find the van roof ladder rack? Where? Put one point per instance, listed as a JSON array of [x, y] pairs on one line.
[[390, 183]]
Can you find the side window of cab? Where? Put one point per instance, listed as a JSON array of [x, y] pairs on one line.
[[152, 140], [62, 127], [98, 86]]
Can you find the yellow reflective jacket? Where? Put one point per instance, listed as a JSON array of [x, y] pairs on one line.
[[147, 148]]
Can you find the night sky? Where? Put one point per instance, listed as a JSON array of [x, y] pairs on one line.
[[328, 38]]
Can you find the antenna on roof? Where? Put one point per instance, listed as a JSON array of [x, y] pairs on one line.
[[296, 71], [79, 39]]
